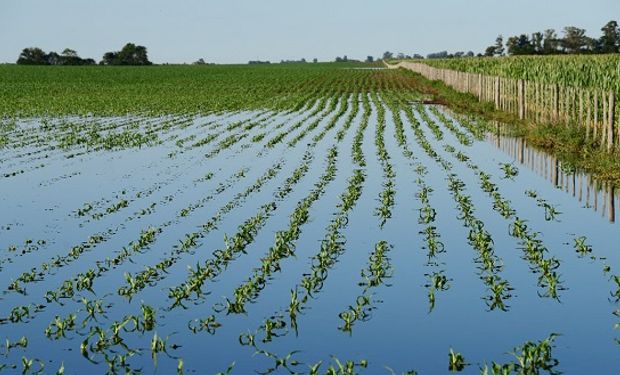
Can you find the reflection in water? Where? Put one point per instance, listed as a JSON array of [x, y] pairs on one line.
[[601, 196]]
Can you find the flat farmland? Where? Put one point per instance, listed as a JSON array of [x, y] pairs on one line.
[[303, 218]]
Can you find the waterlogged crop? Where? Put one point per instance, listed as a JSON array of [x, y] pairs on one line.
[[271, 219]]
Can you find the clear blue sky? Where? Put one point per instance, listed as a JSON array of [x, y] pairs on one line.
[[230, 31]]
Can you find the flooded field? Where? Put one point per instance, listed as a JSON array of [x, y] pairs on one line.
[[358, 234]]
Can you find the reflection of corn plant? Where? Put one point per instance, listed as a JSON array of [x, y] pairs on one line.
[[550, 211], [228, 370], [616, 293], [510, 171], [531, 193], [92, 309], [21, 343], [500, 291], [28, 366], [208, 324], [437, 282], [531, 358], [581, 247], [338, 367], [456, 361], [59, 327], [287, 362], [158, 345], [20, 314]]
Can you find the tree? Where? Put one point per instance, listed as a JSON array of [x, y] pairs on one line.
[[610, 41], [520, 45], [499, 45], [315, 60], [109, 58], [53, 58], [438, 55], [68, 52], [130, 54], [387, 55], [575, 40], [369, 59], [537, 42], [490, 51], [200, 61], [32, 56], [550, 42]]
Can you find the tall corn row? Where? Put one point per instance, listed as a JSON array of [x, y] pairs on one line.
[[595, 109]]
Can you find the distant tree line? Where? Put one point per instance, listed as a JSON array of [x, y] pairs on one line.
[[36, 56], [387, 55], [300, 61], [573, 41], [446, 55], [130, 54]]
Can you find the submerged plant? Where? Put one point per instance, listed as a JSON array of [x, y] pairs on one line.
[[456, 361]]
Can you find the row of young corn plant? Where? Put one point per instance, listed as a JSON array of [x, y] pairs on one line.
[[379, 267], [69, 286], [283, 192], [551, 211], [545, 267], [286, 189], [489, 264], [335, 102], [283, 247], [532, 246], [93, 241], [387, 195], [282, 121], [320, 107], [69, 319], [150, 209], [377, 271], [438, 281], [332, 246], [29, 246], [191, 239], [528, 358], [151, 274], [236, 244], [209, 324]]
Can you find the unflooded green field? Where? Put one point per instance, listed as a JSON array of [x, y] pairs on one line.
[[325, 223]]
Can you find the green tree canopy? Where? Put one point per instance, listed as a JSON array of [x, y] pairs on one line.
[[130, 54]]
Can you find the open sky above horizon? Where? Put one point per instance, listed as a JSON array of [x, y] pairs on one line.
[[236, 31]]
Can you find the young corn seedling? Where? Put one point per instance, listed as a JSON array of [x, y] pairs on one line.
[[456, 361]]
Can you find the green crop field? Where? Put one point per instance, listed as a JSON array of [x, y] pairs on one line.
[[290, 219], [585, 71], [78, 90]]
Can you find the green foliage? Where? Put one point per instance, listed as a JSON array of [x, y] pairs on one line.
[[101, 90], [590, 71]]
